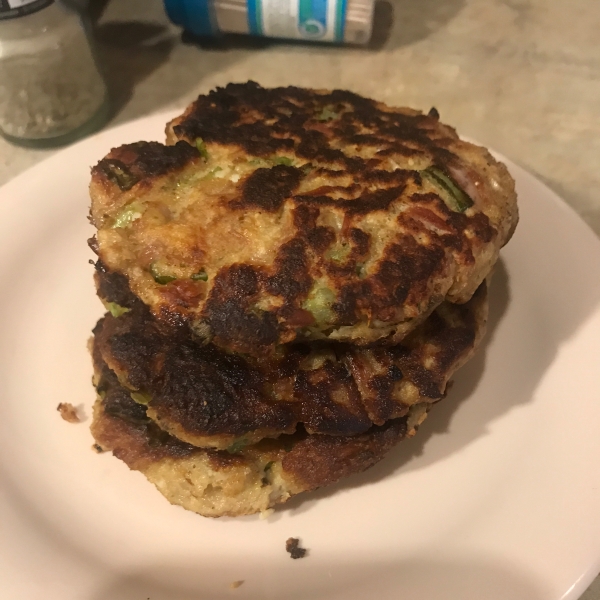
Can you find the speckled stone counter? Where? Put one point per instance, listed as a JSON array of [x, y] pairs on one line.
[[520, 76]]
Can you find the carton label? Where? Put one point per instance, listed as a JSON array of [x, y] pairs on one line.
[[315, 20]]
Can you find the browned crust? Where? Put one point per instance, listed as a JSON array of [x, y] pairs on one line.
[[321, 460], [268, 121], [340, 168], [212, 398]]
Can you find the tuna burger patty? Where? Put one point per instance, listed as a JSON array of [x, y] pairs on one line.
[[288, 214], [208, 397], [219, 483]]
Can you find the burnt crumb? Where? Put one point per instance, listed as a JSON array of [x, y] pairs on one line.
[[292, 545], [433, 112], [97, 448], [68, 412]]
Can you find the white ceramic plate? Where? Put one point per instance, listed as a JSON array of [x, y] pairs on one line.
[[498, 497]]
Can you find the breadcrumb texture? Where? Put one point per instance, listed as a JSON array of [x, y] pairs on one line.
[[284, 214]]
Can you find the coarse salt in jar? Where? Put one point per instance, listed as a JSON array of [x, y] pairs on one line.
[[51, 90]]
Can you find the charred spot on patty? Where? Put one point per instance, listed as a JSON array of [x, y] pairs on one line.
[[228, 311], [268, 188]]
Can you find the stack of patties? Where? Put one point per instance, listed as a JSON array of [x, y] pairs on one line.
[[291, 283]]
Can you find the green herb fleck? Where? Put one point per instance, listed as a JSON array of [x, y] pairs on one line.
[[282, 160], [160, 278], [201, 275], [211, 174], [256, 161], [339, 254], [116, 310], [128, 215], [201, 146], [140, 398], [118, 173], [327, 114], [458, 200], [319, 303], [269, 465], [237, 446]]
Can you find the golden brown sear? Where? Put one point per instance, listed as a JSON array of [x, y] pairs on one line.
[[208, 397], [219, 483], [289, 214]]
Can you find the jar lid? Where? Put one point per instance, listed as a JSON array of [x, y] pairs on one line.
[[197, 16]]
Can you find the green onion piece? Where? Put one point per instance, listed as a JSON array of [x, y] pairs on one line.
[[211, 174], [128, 215], [201, 275], [459, 200], [116, 310], [256, 161], [339, 254], [118, 173], [327, 114], [201, 146], [237, 446], [319, 303], [140, 397], [160, 278], [282, 160]]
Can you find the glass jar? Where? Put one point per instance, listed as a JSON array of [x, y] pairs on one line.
[[51, 90]]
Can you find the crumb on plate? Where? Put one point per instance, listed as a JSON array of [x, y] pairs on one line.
[[292, 545], [68, 412]]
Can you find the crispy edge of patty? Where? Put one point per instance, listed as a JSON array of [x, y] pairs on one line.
[[210, 398], [217, 483]]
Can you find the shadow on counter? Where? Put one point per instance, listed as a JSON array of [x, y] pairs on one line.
[[130, 51]]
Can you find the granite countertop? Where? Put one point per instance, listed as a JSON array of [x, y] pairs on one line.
[[520, 76]]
